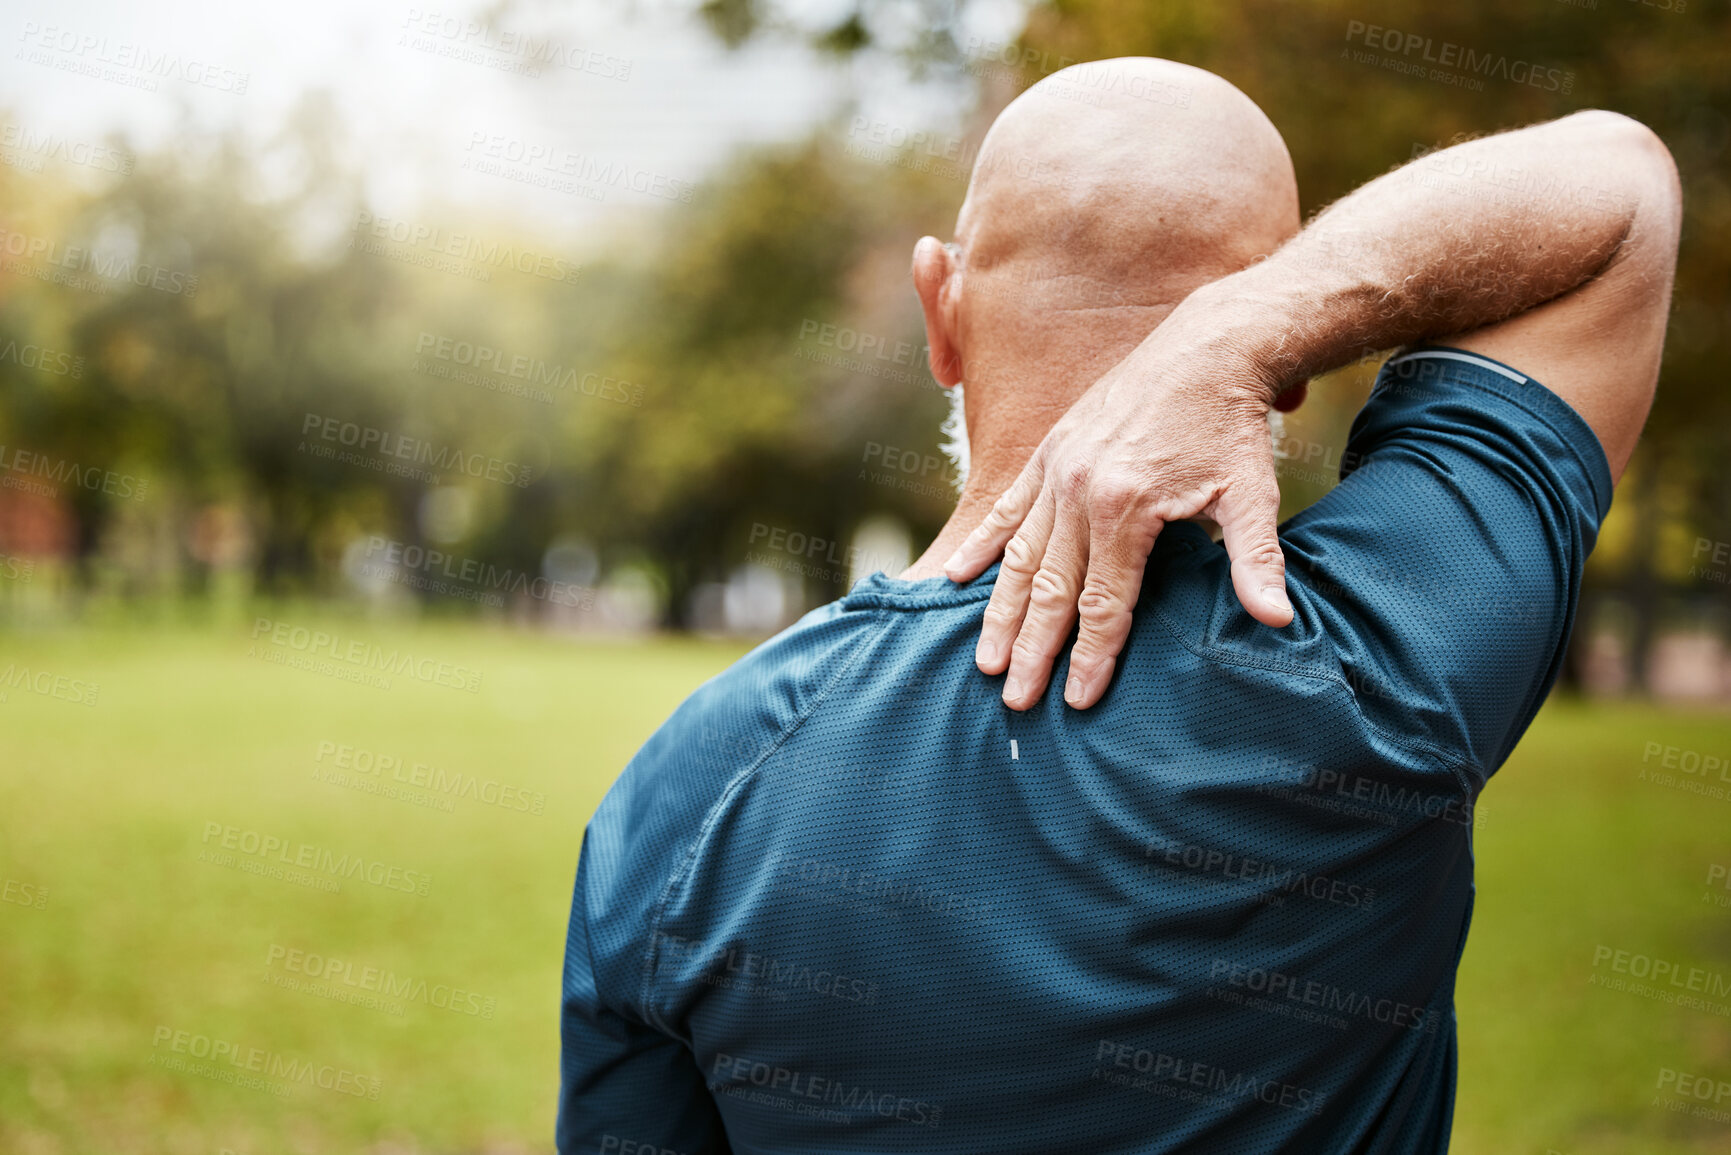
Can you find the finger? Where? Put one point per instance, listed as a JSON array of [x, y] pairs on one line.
[[989, 538], [1117, 559], [1051, 611], [1022, 557], [1248, 513]]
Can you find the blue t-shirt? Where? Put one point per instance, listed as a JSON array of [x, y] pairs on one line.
[[845, 901]]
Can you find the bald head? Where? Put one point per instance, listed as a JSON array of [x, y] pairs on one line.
[[1101, 198], [1135, 178]]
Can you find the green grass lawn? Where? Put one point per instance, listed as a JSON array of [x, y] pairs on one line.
[[128, 941]]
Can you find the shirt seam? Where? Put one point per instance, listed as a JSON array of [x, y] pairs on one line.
[[1455, 765], [1532, 403], [650, 1013], [911, 601]]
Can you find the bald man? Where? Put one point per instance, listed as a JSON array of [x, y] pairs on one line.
[[859, 894]]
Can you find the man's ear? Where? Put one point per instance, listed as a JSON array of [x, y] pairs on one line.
[[934, 266]]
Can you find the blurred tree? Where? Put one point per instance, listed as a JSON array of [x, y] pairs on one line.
[[735, 414], [1350, 112]]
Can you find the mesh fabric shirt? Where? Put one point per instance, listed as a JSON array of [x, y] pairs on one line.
[[844, 900]]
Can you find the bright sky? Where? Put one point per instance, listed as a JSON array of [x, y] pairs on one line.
[[635, 87]]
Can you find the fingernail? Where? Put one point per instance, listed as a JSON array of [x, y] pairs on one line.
[[986, 653], [1013, 690], [1075, 688], [954, 564], [1275, 596]]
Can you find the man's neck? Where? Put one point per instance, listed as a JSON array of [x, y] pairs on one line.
[[987, 481], [1013, 403]]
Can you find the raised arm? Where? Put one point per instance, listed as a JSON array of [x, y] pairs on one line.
[[1551, 248], [1485, 241]]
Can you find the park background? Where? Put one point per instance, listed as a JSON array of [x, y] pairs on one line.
[[634, 274]]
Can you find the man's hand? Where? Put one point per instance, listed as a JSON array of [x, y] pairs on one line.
[[1447, 246], [1178, 429]]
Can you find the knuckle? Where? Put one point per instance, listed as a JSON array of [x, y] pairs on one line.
[[1076, 473], [1000, 617], [1101, 608], [1019, 556], [1050, 590], [1114, 495], [1089, 651], [1264, 555]]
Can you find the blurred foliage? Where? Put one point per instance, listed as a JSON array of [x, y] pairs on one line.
[[743, 417], [293, 310]]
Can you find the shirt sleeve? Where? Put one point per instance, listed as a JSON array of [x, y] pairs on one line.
[[1446, 566], [623, 1086]]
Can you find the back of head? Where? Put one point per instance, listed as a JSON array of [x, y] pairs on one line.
[[1104, 195]]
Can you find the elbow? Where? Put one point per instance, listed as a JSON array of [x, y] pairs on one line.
[[1623, 145]]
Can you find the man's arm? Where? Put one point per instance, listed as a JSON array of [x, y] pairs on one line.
[[1551, 248], [623, 1086], [1485, 241]]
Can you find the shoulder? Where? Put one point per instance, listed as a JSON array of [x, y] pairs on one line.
[[655, 812]]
